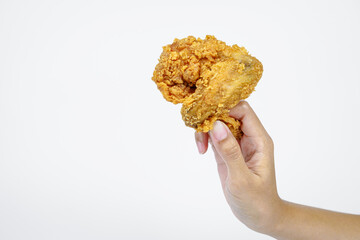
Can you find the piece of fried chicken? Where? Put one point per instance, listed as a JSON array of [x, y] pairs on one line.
[[208, 78]]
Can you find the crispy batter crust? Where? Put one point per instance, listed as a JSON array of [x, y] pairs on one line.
[[208, 78]]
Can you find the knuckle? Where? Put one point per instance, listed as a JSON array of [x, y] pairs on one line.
[[268, 143], [245, 105], [271, 142], [231, 151], [265, 143], [262, 143]]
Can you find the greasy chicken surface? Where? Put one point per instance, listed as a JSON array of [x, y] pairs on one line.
[[208, 78]]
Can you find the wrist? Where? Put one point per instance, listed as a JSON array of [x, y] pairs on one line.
[[278, 219]]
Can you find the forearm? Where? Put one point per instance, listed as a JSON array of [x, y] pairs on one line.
[[302, 222]]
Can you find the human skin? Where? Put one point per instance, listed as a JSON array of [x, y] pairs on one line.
[[247, 176]]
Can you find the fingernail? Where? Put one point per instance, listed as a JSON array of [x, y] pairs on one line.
[[200, 147], [219, 131]]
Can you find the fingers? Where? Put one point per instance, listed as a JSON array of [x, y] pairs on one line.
[[250, 123], [229, 150], [221, 166], [201, 141]]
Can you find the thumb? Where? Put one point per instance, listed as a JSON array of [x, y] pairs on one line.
[[229, 150]]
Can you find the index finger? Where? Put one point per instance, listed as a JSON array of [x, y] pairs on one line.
[[250, 123]]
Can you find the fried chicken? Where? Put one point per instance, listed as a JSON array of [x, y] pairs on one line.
[[208, 78]]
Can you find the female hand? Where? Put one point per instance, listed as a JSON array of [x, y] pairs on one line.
[[246, 169]]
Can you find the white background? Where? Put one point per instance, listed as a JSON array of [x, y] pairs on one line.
[[89, 149]]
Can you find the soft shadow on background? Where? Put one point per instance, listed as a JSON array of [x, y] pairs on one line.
[[89, 149]]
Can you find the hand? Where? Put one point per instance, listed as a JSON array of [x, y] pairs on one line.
[[246, 169]]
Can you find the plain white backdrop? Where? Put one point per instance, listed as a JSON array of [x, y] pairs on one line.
[[89, 149]]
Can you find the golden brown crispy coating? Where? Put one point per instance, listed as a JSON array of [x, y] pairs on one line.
[[208, 78]]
